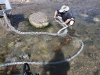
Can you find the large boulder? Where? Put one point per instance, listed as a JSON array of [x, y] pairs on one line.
[[38, 20]]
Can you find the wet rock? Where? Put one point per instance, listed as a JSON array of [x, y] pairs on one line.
[[2, 70], [10, 44], [66, 40], [38, 20], [18, 44], [57, 47], [96, 19], [21, 26], [93, 54], [97, 72], [47, 39], [72, 63], [25, 48], [11, 69], [84, 15], [76, 43], [50, 30], [24, 56], [42, 45], [1, 62], [14, 59], [35, 40], [92, 47], [10, 59]]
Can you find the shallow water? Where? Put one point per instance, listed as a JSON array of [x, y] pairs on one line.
[[41, 47]]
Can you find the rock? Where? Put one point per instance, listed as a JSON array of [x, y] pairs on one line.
[[14, 59], [11, 44], [92, 47], [24, 56], [66, 40], [84, 15], [42, 45], [25, 48], [50, 30], [1, 62], [76, 43], [11, 69], [35, 40], [18, 44], [57, 47], [96, 19], [38, 20], [10, 59]]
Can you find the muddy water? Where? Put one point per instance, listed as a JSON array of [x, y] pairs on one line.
[[42, 47]]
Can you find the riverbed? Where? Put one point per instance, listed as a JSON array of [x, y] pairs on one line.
[[44, 48]]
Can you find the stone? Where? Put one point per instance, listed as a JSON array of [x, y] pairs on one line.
[[76, 43], [92, 47], [66, 40], [84, 15], [24, 56], [57, 48], [10, 59], [38, 20], [96, 19], [11, 44]]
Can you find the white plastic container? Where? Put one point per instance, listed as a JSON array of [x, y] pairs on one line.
[[7, 5]]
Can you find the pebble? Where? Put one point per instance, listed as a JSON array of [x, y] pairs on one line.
[[84, 15], [96, 19]]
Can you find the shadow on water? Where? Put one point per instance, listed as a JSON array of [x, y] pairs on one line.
[[56, 69], [16, 19]]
